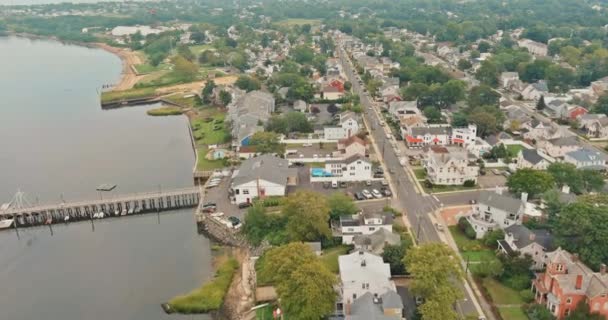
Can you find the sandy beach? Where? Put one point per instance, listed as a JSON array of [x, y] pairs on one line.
[[129, 59]]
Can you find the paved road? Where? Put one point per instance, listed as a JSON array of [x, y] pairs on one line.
[[417, 207]]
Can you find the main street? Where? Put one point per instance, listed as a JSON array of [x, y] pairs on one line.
[[418, 207]]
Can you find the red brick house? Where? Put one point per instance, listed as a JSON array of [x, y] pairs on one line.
[[576, 112], [337, 84], [567, 281]]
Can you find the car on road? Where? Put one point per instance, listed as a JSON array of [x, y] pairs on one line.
[[367, 194], [376, 193], [386, 192], [472, 201], [391, 170], [210, 204], [359, 196], [244, 205], [217, 214], [298, 164]]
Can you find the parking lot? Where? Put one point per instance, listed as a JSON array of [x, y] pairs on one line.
[[491, 180], [220, 196]]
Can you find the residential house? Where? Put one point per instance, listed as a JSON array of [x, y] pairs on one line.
[[537, 130], [495, 210], [354, 168], [449, 166], [558, 147], [349, 147], [600, 86], [248, 115], [409, 122], [315, 247], [516, 118], [389, 89], [360, 273], [363, 223], [376, 241], [518, 238], [331, 93], [594, 125], [508, 79], [557, 109], [535, 90], [496, 140], [348, 125], [403, 109], [387, 306], [575, 112], [261, 176], [585, 158], [534, 47], [567, 281], [531, 159], [440, 135]]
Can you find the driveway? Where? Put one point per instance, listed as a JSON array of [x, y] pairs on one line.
[[491, 180]]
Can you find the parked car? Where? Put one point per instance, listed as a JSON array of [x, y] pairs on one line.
[[473, 201], [217, 214], [384, 182], [343, 184], [234, 220], [376, 193], [367, 194], [368, 183], [359, 196], [386, 192], [209, 204], [244, 205], [496, 172], [378, 175], [506, 173], [326, 184], [307, 145]]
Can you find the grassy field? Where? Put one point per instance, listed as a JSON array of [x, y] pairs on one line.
[[420, 173], [294, 22], [148, 68], [205, 165], [512, 313], [197, 49], [204, 132], [165, 111], [440, 189], [501, 294], [514, 149], [190, 102], [113, 96], [483, 255], [211, 295], [330, 257]]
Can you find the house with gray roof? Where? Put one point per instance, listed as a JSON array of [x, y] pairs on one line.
[[376, 241], [495, 210], [532, 159], [535, 243], [585, 158], [535, 90], [558, 147], [249, 114], [363, 273], [260, 177], [595, 125], [387, 306], [363, 223]]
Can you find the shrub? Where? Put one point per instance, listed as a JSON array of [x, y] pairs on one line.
[[518, 282], [466, 228], [469, 183]]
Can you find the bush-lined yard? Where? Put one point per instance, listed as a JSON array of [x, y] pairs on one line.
[[330, 257]]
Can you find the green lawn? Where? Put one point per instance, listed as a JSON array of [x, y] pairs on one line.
[[420, 173], [203, 129], [512, 313], [483, 255], [500, 293], [197, 49], [440, 189], [264, 313], [514, 149], [166, 78], [148, 68], [205, 165], [330, 257], [179, 99], [165, 111], [113, 96]]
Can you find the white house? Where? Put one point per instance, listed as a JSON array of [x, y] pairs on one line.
[[449, 166], [440, 135], [354, 168], [508, 78], [558, 147], [349, 147], [531, 159], [261, 176], [362, 272], [495, 210], [348, 126], [535, 90], [595, 125], [534, 47], [587, 159], [535, 243], [363, 223]]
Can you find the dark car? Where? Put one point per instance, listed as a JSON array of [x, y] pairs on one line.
[[244, 205], [343, 184], [386, 192], [359, 196], [234, 220], [298, 164], [378, 175], [209, 204]]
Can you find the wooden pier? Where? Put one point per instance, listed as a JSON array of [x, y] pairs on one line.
[[116, 206]]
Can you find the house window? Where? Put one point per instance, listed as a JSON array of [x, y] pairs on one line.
[[354, 296], [553, 308], [372, 228], [567, 312], [352, 173], [569, 300], [350, 229], [352, 168], [560, 267], [237, 191], [245, 191]]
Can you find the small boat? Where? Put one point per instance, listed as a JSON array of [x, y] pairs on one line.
[[95, 215], [100, 215], [6, 223], [66, 218], [131, 210], [116, 212], [124, 212], [138, 210]]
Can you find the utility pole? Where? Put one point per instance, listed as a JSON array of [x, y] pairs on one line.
[[418, 227]]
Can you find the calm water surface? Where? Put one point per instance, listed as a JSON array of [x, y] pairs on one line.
[[56, 142]]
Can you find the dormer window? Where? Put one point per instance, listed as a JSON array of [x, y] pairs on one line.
[[560, 267]]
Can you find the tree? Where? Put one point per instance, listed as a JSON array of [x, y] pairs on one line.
[[490, 239], [516, 270], [184, 68], [451, 92], [464, 64], [184, 51], [601, 106], [393, 255], [486, 122], [247, 83], [583, 312], [225, 98], [459, 119], [348, 85], [267, 142], [483, 46], [488, 73], [432, 114], [539, 312], [564, 174], [302, 54], [541, 105], [307, 215], [533, 182], [581, 227], [592, 181], [258, 225], [435, 269], [341, 205], [197, 37], [207, 91], [483, 95]]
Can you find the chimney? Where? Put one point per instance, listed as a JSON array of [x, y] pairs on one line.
[[603, 269], [524, 197], [532, 236], [566, 189], [579, 282], [347, 307]]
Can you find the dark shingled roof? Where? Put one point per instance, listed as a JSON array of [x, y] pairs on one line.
[[532, 156], [524, 236]]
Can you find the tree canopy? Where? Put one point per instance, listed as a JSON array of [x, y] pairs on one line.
[[308, 216], [533, 182]]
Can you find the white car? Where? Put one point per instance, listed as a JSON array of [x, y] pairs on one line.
[[307, 145], [376, 193], [384, 183], [367, 194]]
